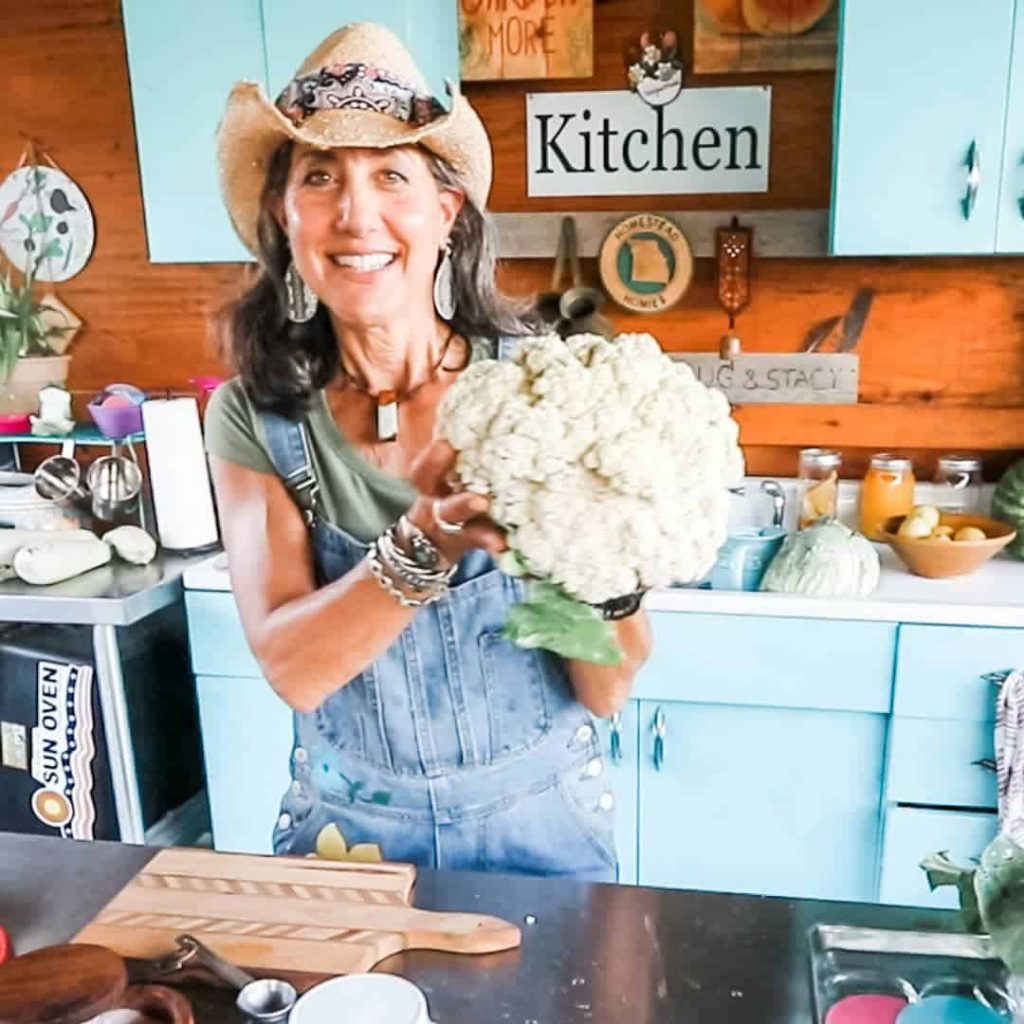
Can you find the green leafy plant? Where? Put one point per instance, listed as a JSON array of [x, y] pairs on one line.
[[24, 330]]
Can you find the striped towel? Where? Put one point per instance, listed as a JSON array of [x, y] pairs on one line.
[[1010, 755]]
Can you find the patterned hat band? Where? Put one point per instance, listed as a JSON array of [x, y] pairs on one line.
[[356, 87]]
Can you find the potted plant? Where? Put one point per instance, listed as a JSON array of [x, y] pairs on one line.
[[34, 336]]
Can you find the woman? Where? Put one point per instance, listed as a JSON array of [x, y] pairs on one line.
[[365, 585]]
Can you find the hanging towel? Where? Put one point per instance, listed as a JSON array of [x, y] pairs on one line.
[[1010, 755]]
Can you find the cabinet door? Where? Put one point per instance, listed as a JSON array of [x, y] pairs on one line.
[[622, 774], [915, 90], [428, 28], [1010, 225], [911, 834], [183, 59], [761, 800], [247, 741]]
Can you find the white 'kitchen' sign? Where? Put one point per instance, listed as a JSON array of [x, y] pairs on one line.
[[614, 144]]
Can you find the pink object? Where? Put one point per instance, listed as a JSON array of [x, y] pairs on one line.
[[866, 1009], [116, 400], [207, 385], [15, 423]]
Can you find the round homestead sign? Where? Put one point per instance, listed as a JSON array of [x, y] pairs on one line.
[[646, 263]]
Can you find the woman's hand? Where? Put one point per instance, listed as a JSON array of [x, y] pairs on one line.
[[430, 476]]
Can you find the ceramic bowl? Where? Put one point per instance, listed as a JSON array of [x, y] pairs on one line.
[[938, 559]]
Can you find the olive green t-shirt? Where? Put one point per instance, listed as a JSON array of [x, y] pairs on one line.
[[356, 495]]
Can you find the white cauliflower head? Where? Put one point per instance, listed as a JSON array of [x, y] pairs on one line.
[[607, 462]]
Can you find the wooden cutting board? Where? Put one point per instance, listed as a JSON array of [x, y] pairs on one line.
[[284, 913]]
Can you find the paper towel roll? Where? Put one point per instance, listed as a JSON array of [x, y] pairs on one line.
[[178, 473]]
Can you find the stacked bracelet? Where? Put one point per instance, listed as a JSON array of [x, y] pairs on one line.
[[405, 575]]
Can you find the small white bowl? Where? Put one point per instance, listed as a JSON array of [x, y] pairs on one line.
[[366, 998]]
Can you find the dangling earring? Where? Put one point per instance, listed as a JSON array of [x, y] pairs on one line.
[[302, 300], [444, 285]]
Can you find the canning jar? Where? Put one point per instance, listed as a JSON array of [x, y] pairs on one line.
[[818, 483], [887, 490], [958, 484]]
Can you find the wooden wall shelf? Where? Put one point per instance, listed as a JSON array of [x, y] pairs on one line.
[[883, 427], [785, 233]]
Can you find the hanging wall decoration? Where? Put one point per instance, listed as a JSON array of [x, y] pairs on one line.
[[526, 39], [764, 35], [46, 223], [646, 263], [655, 69]]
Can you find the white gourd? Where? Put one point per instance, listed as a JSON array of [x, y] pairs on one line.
[[55, 561], [826, 560], [132, 544]]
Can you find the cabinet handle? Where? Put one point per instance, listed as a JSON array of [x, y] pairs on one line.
[[973, 165], [997, 678], [659, 727], [615, 738]]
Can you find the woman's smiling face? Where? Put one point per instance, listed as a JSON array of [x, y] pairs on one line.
[[365, 227]]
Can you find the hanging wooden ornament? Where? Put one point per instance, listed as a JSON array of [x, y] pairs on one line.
[[46, 224], [732, 259]]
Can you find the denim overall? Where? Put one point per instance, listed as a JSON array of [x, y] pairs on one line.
[[455, 749]]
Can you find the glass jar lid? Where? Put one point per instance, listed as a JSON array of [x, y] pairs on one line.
[[892, 463], [823, 458], [959, 463]]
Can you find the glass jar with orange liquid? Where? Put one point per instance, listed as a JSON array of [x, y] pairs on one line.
[[887, 490]]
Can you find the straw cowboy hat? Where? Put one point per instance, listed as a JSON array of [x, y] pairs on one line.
[[359, 87]]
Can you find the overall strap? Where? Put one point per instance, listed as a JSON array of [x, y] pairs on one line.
[[288, 448]]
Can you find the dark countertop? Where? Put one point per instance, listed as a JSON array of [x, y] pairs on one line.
[[594, 954], [116, 594]]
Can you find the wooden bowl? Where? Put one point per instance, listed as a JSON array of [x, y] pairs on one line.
[[938, 559]]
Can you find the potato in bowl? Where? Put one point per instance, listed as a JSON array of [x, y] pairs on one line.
[[940, 544]]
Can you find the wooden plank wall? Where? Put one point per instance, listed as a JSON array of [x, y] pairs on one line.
[[942, 355]]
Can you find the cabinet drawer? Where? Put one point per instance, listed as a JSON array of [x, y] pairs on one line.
[[773, 662], [215, 636], [911, 834], [932, 761], [939, 670]]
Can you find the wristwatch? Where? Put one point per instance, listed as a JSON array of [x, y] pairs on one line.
[[621, 607]]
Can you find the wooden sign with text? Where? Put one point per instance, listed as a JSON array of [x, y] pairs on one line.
[[526, 39], [778, 377]]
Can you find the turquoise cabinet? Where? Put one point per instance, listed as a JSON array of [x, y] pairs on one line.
[[911, 834], [247, 742], [621, 758], [183, 59], [429, 28], [916, 92], [801, 757], [761, 800], [1010, 221]]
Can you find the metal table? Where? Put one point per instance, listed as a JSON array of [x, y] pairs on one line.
[[105, 599]]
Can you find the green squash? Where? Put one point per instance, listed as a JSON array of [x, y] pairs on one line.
[[826, 560], [1008, 505]]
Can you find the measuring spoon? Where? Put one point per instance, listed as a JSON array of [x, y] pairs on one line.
[[260, 1000]]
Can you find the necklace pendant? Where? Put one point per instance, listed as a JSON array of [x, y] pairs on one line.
[[387, 416]]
